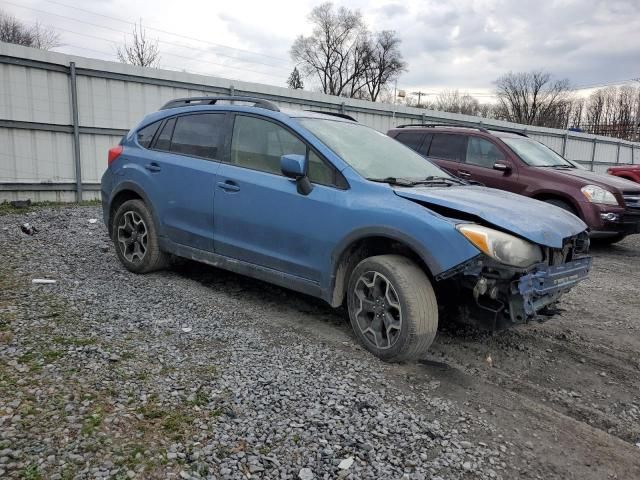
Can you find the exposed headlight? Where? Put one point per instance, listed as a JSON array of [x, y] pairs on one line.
[[501, 246], [596, 194]]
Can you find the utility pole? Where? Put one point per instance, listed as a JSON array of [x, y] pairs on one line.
[[637, 125], [419, 94]]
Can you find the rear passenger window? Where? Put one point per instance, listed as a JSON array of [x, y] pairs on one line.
[[483, 153], [145, 135], [198, 135], [412, 140], [449, 147], [164, 139]]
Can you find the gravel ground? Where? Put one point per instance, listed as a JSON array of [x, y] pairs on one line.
[[199, 373]]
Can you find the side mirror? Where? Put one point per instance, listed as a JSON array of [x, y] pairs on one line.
[[295, 167], [502, 167]]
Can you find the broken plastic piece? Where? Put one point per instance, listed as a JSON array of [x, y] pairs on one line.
[[28, 229], [42, 281]]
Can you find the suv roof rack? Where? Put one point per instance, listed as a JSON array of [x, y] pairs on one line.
[[183, 102], [335, 114], [486, 129]]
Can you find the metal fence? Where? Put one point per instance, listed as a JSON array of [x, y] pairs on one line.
[[59, 115]]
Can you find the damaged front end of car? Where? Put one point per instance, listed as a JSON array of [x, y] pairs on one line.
[[500, 288]]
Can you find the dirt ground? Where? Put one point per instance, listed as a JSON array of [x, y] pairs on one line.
[[564, 394]]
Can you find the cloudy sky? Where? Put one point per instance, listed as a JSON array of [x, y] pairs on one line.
[[454, 44]]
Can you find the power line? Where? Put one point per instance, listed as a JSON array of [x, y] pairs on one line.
[[190, 47], [166, 31], [114, 43]]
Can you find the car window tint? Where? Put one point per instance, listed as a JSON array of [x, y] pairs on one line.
[[145, 135], [320, 172], [448, 147], [259, 144], [424, 148], [483, 153], [198, 135], [412, 140], [164, 139]]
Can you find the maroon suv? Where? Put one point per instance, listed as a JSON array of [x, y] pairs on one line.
[[514, 162]]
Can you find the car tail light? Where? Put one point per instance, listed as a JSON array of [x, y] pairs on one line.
[[114, 153]]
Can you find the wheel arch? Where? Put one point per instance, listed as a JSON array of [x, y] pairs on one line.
[[357, 247], [129, 191], [543, 196]]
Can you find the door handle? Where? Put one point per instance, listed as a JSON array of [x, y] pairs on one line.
[[153, 167], [229, 186], [464, 173]]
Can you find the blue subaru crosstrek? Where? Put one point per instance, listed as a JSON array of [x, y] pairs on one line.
[[321, 204]]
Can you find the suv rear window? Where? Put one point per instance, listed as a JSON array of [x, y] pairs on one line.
[[449, 147]]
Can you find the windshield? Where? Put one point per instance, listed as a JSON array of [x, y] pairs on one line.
[[535, 153], [372, 154]]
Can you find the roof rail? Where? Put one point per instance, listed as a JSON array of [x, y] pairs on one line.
[[183, 102], [335, 114], [485, 129]]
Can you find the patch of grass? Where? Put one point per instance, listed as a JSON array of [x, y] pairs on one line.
[[127, 355], [93, 422], [31, 472], [7, 209], [68, 473], [176, 423], [151, 411], [296, 439], [216, 412], [200, 399], [51, 356], [264, 451]]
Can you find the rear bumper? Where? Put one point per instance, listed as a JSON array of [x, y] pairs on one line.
[[545, 285]]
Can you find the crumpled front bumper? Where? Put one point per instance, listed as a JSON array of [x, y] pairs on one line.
[[545, 284]]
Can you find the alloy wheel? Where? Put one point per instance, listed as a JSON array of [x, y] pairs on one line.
[[378, 313], [132, 237]]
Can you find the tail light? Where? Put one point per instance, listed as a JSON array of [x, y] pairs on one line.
[[114, 153]]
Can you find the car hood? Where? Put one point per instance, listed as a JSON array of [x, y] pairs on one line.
[[536, 221], [597, 178]]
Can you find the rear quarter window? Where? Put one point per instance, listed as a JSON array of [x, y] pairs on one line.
[[145, 135]]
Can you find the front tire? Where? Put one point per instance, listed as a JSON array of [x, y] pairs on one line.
[[136, 239], [561, 204], [606, 241], [392, 307]]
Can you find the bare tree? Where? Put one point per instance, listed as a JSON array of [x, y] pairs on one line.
[[141, 52], [344, 57], [453, 102], [295, 80], [532, 98], [384, 63], [14, 31]]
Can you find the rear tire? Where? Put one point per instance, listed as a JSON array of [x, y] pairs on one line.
[[134, 234], [392, 307]]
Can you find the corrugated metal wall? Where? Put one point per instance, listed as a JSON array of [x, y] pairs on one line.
[[38, 158]]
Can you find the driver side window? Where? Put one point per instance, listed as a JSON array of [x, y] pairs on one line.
[[258, 144], [482, 153]]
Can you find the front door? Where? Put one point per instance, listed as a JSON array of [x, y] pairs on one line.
[[260, 217], [480, 160]]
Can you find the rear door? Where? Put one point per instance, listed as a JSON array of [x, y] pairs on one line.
[[183, 165], [448, 150], [260, 218], [480, 159]]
